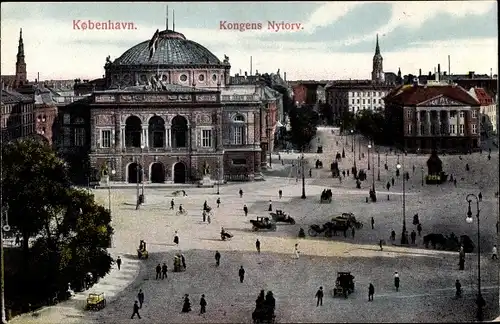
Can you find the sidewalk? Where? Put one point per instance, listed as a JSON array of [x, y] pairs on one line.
[[72, 311]]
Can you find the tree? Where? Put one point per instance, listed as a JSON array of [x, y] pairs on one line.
[[348, 121], [304, 122], [372, 125], [326, 112]]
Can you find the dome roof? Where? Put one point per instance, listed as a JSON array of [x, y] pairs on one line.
[[173, 49]]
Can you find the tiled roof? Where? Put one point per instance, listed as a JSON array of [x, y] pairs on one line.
[[483, 97], [173, 49], [413, 95], [10, 96]]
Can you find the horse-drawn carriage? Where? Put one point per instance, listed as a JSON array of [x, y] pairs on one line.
[[344, 285], [263, 223], [351, 220], [95, 301], [319, 164], [326, 196], [329, 229], [280, 216], [449, 243]]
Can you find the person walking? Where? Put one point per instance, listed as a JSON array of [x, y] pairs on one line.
[[209, 220], [393, 235], [241, 193], [296, 250], [371, 292], [204, 216], [257, 246], [419, 229], [183, 260], [158, 271], [241, 274], [245, 210], [458, 289], [218, 202], [270, 206], [140, 298], [136, 310], [176, 239], [396, 280], [280, 193], [373, 223], [203, 305], [172, 204], [388, 185], [380, 243], [413, 236], [119, 262], [480, 196], [392, 181], [319, 297], [494, 253], [164, 271], [217, 258]]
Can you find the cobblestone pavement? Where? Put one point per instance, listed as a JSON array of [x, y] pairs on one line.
[[427, 276]]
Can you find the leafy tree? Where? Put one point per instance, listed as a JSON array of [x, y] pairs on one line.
[[372, 125], [326, 112], [348, 121], [303, 122]]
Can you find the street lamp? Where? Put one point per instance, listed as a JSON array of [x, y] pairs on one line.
[[352, 146], [422, 176], [218, 176], [112, 172], [303, 179], [142, 174], [359, 147], [3, 228], [378, 167], [470, 220], [404, 239], [369, 148]]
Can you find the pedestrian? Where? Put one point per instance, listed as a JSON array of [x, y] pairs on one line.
[[413, 236], [217, 258], [164, 270], [414, 168], [136, 310], [241, 274], [204, 216], [218, 202], [245, 210], [419, 229], [183, 260], [270, 206], [393, 235], [119, 262], [176, 238], [280, 193], [319, 296], [172, 204], [458, 289], [347, 172], [494, 253], [388, 185], [352, 232], [203, 305], [18, 239], [371, 292], [396, 280], [392, 180], [373, 223], [140, 297], [208, 218], [343, 173], [461, 264], [257, 245], [380, 243], [296, 250], [158, 271], [241, 193], [480, 196]]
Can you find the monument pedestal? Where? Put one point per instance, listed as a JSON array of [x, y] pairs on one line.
[[206, 182], [104, 181]]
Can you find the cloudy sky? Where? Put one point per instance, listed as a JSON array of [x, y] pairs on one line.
[[335, 40]]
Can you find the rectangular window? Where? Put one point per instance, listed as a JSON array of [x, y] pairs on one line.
[[364, 101], [105, 138], [373, 94], [357, 101], [66, 119], [352, 100], [461, 129], [206, 138], [474, 129], [461, 114], [369, 101], [408, 114], [79, 136], [474, 114], [238, 135]]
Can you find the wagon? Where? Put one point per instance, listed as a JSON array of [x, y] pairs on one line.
[[280, 216], [344, 284], [263, 223], [96, 301]]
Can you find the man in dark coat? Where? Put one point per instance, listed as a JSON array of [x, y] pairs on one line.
[[458, 288], [158, 271], [373, 223], [119, 263], [203, 305], [461, 263], [136, 310], [217, 258], [371, 292], [176, 238], [140, 297], [280, 193], [164, 270], [388, 185], [183, 260], [245, 210], [319, 296], [413, 236], [392, 181], [241, 274], [419, 229], [396, 280], [257, 245], [241, 193], [218, 202]]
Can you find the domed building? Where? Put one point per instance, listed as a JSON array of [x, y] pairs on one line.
[[161, 117]]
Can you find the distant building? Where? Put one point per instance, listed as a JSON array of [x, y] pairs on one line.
[[16, 115], [433, 116], [309, 92], [45, 114], [20, 78], [489, 118]]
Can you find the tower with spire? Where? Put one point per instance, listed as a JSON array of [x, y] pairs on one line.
[[378, 70], [21, 76]]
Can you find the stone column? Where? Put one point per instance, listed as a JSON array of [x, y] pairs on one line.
[[122, 134], [438, 120], [417, 131], [428, 121], [145, 140]]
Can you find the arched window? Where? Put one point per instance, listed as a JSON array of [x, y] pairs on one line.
[[238, 130]]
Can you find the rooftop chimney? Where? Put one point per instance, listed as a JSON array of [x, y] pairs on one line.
[[419, 72], [439, 71], [471, 74], [284, 76], [430, 74], [246, 74]]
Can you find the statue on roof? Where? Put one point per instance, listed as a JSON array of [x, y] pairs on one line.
[[226, 58], [108, 60]]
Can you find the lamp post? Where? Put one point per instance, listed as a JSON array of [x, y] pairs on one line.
[[422, 176], [142, 174], [218, 177], [403, 234], [3, 228], [359, 148], [112, 172], [303, 179], [346, 143], [353, 149], [373, 169], [470, 220], [352, 146], [378, 167], [369, 148]]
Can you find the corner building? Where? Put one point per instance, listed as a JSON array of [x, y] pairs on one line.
[[170, 115]]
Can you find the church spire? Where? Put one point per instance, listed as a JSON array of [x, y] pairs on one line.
[[377, 48], [20, 64], [20, 47]]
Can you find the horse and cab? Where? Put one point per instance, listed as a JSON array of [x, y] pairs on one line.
[[263, 223], [95, 302], [326, 196], [344, 285], [280, 216], [350, 219]]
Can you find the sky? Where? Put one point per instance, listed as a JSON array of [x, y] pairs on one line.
[[329, 40]]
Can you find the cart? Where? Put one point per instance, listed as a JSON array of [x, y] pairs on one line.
[[96, 301], [344, 284]]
